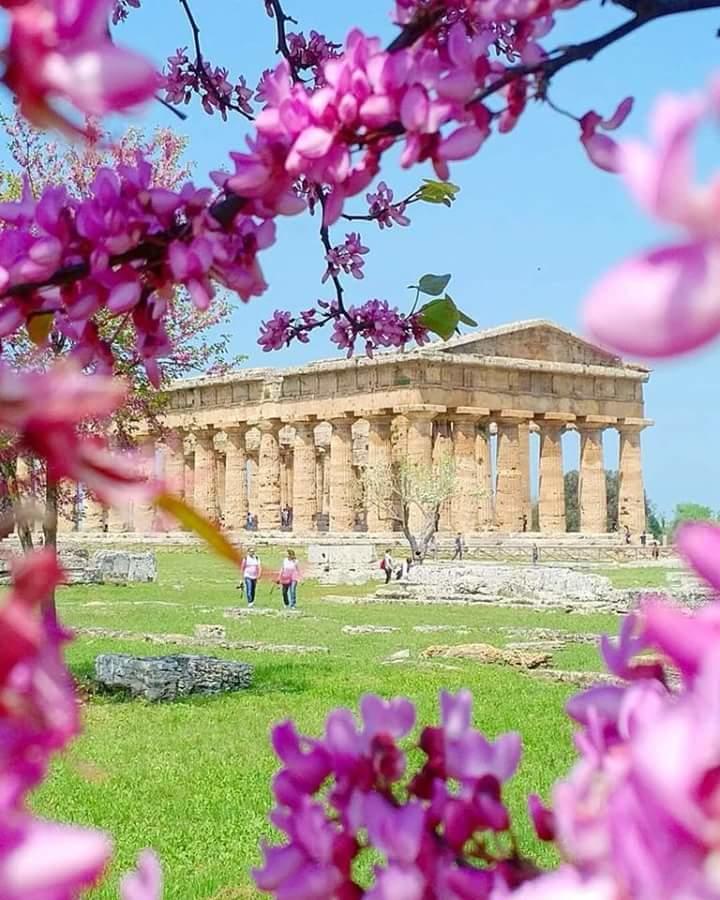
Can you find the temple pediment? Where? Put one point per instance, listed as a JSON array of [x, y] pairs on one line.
[[536, 340]]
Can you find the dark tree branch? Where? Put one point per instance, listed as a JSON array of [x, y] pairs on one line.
[[565, 56], [199, 66], [173, 109], [414, 30], [281, 18], [325, 240]]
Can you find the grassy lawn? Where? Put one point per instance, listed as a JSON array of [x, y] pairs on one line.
[[192, 779], [635, 576]]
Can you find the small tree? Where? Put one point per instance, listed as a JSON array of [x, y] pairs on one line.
[[690, 512], [411, 495]]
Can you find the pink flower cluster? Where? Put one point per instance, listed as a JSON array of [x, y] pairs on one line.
[[63, 51], [121, 10], [383, 208], [123, 248], [665, 301], [45, 409], [369, 95], [38, 717], [339, 796], [375, 322], [183, 78], [346, 257], [311, 52]]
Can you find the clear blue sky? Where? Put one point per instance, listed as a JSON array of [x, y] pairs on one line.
[[534, 224]]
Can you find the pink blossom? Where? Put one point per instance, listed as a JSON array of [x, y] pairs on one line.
[[663, 302], [146, 882], [384, 210], [602, 150], [346, 257], [60, 52], [699, 545]]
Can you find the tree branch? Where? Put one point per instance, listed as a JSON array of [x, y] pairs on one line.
[[281, 17], [565, 56], [199, 66], [325, 239]]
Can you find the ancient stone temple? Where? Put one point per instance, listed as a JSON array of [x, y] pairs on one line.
[[267, 440]]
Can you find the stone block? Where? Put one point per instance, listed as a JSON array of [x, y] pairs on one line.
[[123, 566], [162, 678], [486, 653], [343, 555], [210, 632]]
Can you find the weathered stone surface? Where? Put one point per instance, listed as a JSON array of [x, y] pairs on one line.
[[551, 502], [217, 632], [335, 563], [579, 679], [171, 677], [123, 566], [430, 629], [369, 629], [102, 567], [486, 653], [400, 656]]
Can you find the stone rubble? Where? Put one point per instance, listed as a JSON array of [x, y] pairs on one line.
[[100, 567], [186, 640], [487, 654], [167, 678], [431, 629], [216, 632], [369, 629]]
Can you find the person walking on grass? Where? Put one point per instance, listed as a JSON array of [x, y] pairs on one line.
[[459, 547], [288, 577], [388, 566], [251, 572]]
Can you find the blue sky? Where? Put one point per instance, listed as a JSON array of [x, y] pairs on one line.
[[534, 223]]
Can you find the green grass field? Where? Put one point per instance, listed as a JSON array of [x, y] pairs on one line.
[[192, 778]]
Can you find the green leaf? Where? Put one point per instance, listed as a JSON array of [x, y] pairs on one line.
[[434, 285], [466, 320], [440, 316], [437, 191], [204, 528]]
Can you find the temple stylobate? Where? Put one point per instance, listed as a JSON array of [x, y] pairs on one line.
[[269, 441]]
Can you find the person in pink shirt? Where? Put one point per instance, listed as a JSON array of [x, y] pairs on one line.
[[251, 570], [288, 578]]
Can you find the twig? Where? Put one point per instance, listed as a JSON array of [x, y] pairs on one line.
[[325, 240], [281, 17], [173, 109], [199, 66], [417, 28], [369, 217], [587, 50]]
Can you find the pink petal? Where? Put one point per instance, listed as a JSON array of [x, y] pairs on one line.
[[124, 296], [621, 113], [313, 142], [699, 545], [602, 150], [462, 143], [414, 108], [662, 303], [146, 882]]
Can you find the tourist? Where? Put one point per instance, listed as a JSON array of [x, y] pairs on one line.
[[535, 554], [251, 572], [627, 534], [459, 547], [248, 521], [404, 569], [524, 522], [656, 550], [387, 565], [288, 577], [643, 539]]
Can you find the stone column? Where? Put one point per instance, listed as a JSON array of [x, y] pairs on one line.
[[379, 518], [419, 452], [144, 512], [509, 506], [443, 447], [486, 504], [93, 515], [465, 507], [304, 484], [524, 444], [551, 493], [236, 497], [268, 488], [204, 476], [175, 463], [341, 476], [189, 476], [592, 487], [631, 493]]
